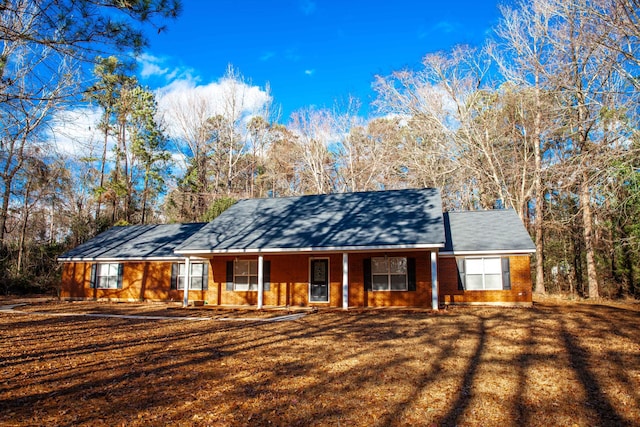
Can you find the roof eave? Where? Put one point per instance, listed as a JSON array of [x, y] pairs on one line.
[[233, 251], [489, 252], [122, 259]]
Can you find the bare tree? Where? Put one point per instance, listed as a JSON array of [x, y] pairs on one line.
[[523, 55], [457, 125], [315, 131]]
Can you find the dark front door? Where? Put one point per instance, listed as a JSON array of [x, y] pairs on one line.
[[319, 285]]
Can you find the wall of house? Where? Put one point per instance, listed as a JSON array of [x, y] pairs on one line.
[[141, 281], [289, 283], [421, 297], [520, 293]]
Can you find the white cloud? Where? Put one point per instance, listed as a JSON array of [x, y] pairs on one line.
[[310, 72], [185, 105], [156, 67], [75, 132]]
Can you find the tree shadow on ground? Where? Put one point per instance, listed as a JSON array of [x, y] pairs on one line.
[[473, 366]]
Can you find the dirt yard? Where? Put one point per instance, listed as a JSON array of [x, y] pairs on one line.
[[567, 364]]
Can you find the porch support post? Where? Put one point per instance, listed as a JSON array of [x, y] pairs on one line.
[[345, 281], [434, 279], [187, 281], [260, 280]]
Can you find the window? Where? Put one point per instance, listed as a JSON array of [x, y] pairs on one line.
[[106, 276], [245, 275], [242, 275], [389, 274], [484, 274], [199, 276]]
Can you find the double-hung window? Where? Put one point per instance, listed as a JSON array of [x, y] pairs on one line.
[[484, 273], [106, 276], [389, 273], [242, 275], [199, 276], [245, 275]]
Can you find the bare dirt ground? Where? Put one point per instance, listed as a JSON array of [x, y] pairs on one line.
[[559, 363]]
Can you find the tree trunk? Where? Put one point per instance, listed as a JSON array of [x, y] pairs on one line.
[[587, 231], [23, 229], [102, 166], [539, 195], [144, 196], [5, 208]]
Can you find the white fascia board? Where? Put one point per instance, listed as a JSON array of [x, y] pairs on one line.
[[310, 250], [495, 252], [137, 259]]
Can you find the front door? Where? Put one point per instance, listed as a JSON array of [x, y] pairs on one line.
[[319, 284]]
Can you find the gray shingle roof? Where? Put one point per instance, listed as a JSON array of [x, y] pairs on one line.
[[377, 219], [134, 242], [486, 231]]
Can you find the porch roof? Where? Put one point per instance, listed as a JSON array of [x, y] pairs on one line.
[[396, 219]]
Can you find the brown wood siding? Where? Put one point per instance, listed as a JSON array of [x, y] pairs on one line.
[[520, 293]]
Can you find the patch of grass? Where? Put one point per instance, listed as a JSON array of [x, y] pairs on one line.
[[554, 364]]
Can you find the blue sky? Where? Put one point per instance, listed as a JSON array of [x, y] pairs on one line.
[[313, 52]]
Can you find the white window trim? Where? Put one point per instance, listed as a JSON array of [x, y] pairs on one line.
[[191, 276], [388, 274], [328, 280], [235, 282], [484, 274]]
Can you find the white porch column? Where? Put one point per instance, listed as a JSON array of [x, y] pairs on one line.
[[187, 281], [260, 281], [345, 281], [434, 279]]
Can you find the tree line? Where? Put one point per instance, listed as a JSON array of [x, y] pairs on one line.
[[541, 119]]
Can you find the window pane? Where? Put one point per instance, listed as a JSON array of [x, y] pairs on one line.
[[103, 269], [180, 282], [101, 282], [196, 283], [398, 265], [319, 271], [181, 269], [379, 265], [112, 282], [474, 266], [398, 282], [380, 283], [253, 283], [113, 270], [492, 266], [196, 269], [241, 280], [474, 282], [493, 281], [241, 287], [242, 267], [253, 267]]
